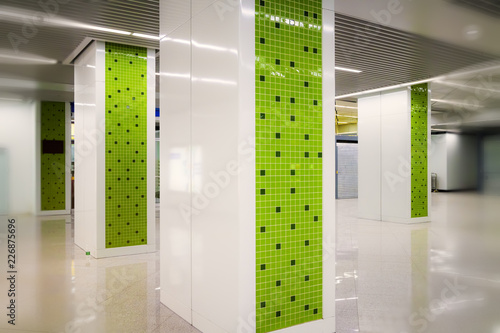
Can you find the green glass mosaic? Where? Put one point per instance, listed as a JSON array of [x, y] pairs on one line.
[[52, 166], [126, 145], [419, 163], [288, 163]]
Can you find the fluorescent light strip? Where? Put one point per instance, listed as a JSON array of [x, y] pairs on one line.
[[454, 103], [11, 99], [466, 86], [115, 31], [385, 88], [135, 34], [346, 107], [348, 70], [41, 60]]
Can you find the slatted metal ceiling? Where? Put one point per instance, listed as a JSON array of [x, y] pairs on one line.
[[141, 16], [388, 56], [491, 7]]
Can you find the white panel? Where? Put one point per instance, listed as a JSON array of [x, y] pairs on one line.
[[99, 123], [396, 155], [175, 171], [18, 158], [438, 160], [246, 191], [85, 150], [369, 136], [218, 7], [462, 162], [151, 140], [174, 13], [215, 103], [491, 160], [328, 324]]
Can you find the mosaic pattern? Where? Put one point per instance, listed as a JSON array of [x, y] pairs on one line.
[[289, 163], [53, 171], [126, 145], [419, 175]]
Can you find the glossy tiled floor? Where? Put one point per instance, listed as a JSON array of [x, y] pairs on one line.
[[441, 277], [438, 277]]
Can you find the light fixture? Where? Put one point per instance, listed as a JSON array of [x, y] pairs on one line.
[[10, 99], [34, 59], [453, 84], [454, 103], [347, 69], [346, 107], [386, 88], [98, 28], [135, 34]]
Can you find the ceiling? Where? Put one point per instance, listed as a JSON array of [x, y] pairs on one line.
[[386, 54], [388, 57]]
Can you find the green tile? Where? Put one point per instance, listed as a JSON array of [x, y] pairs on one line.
[[52, 166], [288, 216], [419, 147], [126, 145]]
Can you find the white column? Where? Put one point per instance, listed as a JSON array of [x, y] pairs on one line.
[[18, 137], [208, 174], [91, 150], [385, 157]]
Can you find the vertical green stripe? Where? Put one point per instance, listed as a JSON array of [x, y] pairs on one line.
[[289, 163], [53, 170], [126, 145], [419, 161]]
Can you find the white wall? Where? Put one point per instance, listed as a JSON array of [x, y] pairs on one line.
[[396, 155], [438, 159], [369, 159], [454, 158], [86, 150], [18, 156], [462, 162], [491, 148]]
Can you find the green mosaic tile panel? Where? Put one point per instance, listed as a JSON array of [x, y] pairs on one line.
[[126, 145], [52, 166], [289, 163], [419, 162]]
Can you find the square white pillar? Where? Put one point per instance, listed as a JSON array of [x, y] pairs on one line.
[[115, 150], [394, 177], [209, 176]]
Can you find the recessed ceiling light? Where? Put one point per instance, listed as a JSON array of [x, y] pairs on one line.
[[11, 99], [23, 59], [115, 31], [346, 107], [347, 69], [135, 34], [454, 103]]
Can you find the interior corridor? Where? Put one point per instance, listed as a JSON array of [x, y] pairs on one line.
[[434, 277]]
